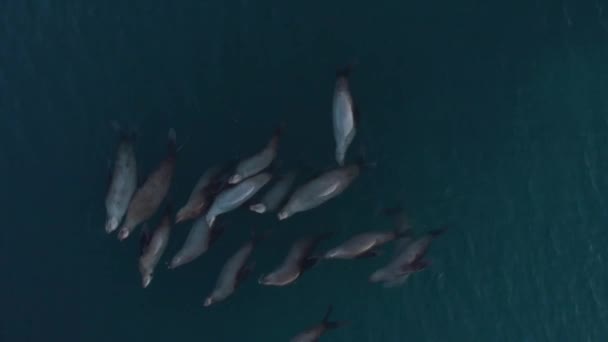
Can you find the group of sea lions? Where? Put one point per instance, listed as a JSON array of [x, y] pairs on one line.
[[224, 188]]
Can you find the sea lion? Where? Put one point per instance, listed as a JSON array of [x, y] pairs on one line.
[[123, 182], [367, 244], [298, 260], [409, 258], [236, 195], [258, 162], [344, 114], [153, 248], [235, 271], [362, 245], [199, 239], [319, 190]]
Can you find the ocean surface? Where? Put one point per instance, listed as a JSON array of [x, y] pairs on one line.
[[490, 117]]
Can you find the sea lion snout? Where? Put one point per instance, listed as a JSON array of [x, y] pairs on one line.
[[111, 224], [146, 280], [208, 301], [235, 179], [123, 234]]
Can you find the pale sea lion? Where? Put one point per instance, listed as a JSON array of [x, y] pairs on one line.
[[123, 182], [236, 195], [344, 114]]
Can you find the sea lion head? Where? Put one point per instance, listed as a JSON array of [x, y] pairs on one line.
[[208, 301]]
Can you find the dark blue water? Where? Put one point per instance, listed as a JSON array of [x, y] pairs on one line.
[[488, 116]]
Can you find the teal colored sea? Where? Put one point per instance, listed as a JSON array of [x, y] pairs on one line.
[[487, 117]]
